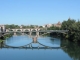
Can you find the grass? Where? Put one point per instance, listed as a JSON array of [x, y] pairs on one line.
[[1, 40]]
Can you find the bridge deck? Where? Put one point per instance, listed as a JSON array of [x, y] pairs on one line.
[[34, 47], [42, 31]]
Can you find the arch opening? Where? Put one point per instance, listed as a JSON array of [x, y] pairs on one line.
[[19, 30], [33, 32], [10, 30], [27, 32], [40, 32]]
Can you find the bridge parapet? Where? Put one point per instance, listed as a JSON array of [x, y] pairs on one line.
[[34, 30]]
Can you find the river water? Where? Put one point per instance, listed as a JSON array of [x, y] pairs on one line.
[[72, 52]]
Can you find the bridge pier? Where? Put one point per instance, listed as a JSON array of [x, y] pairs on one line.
[[37, 33], [30, 33], [23, 33], [14, 33], [34, 39]]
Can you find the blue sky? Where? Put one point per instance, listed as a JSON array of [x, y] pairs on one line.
[[38, 12]]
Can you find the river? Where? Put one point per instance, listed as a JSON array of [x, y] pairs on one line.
[[72, 52]]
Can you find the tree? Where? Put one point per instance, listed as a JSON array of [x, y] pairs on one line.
[[74, 29], [12, 26]]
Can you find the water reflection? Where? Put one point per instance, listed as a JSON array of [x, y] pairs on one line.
[[18, 40], [73, 49], [24, 40], [48, 41], [71, 52], [1, 44]]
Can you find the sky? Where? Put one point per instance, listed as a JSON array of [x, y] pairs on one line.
[[38, 12]]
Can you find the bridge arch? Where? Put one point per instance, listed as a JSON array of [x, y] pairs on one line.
[[26, 30], [11, 30], [17, 46], [40, 30], [18, 30], [33, 30]]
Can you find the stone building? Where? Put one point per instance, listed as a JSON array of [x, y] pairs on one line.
[[55, 25], [2, 28], [58, 24], [48, 25]]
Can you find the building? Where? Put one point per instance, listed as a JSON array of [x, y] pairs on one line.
[[58, 24], [55, 25], [48, 25], [2, 28], [43, 26], [21, 26]]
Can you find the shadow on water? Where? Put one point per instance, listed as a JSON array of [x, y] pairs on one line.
[[1, 44], [72, 49]]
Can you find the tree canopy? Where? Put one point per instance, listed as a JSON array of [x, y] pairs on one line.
[[74, 29]]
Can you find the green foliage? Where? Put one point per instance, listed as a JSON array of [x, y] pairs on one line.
[[53, 28], [1, 40], [72, 49], [12, 26], [6, 36], [67, 25], [74, 29], [40, 27]]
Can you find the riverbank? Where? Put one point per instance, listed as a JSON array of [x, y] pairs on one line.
[[5, 36]]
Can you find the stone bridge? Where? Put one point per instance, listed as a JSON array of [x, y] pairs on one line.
[[22, 30], [37, 30]]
